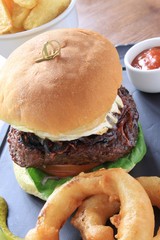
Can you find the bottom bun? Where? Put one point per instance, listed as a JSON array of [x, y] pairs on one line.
[[26, 182], [38, 183]]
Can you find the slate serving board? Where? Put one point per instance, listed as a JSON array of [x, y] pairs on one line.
[[24, 209]]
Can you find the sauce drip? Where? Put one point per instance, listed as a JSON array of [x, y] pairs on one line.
[[148, 59]]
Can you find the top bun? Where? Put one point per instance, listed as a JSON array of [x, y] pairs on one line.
[[73, 91]]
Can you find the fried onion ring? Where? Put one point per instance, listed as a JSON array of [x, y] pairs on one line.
[[157, 237], [136, 211], [92, 215], [152, 187]]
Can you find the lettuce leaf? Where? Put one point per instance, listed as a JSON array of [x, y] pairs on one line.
[[46, 184], [129, 161]]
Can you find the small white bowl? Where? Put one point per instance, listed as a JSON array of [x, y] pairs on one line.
[[67, 19], [144, 80]]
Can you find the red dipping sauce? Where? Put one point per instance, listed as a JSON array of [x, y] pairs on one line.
[[148, 59]]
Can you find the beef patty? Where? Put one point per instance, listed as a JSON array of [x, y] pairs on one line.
[[28, 150]]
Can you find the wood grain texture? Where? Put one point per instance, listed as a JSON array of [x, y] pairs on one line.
[[121, 21]]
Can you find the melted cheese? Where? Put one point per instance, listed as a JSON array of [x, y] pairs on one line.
[[108, 121]]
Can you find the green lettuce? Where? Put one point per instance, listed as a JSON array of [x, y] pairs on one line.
[[130, 160], [46, 184]]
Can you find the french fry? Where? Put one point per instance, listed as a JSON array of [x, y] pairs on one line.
[[44, 12], [19, 14], [15, 30], [9, 5], [26, 3], [5, 18]]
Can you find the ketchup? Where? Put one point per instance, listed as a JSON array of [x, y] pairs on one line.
[[148, 59]]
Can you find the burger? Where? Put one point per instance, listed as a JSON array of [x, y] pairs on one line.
[[61, 93]]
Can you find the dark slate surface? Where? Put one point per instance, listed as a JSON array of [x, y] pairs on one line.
[[3, 133]]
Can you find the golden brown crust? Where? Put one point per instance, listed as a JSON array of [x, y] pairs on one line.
[[135, 214], [92, 215], [151, 185], [66, 93]]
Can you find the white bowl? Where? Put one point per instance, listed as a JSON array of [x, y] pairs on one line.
[[67, 19], [144, 80]]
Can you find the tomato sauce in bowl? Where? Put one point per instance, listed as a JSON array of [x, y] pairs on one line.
[[148, 59], [142, 63]]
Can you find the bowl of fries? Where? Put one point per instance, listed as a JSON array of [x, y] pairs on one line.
[[21, 20]]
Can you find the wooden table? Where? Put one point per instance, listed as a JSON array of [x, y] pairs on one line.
[[121, 21]]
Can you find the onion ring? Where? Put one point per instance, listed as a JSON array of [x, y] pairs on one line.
[[94, 212], [136, 211], [152, 187], [157, 237], [92, 215]]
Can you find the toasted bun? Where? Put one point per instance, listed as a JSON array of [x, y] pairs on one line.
[[25, 181], [72, 91]]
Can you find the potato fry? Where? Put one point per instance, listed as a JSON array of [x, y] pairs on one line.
[[9, 5], [19, 14], [27, 3], [5, 18], [15, 30], [44, 12]]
